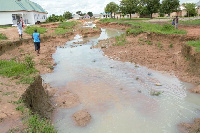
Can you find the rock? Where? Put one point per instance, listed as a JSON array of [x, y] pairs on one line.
[[82, 118], [158, 84]]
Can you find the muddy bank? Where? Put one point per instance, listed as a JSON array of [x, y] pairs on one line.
[[158, 52], [37, 100]]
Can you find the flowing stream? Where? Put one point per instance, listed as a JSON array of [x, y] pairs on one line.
[[118, 95]]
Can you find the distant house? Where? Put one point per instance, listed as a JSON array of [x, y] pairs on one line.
[[198, 8], [12, 10], [96, 15], [76, 16], [86, 16], [105, 15]]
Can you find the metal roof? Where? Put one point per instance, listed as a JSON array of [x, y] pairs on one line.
[[20, 5]]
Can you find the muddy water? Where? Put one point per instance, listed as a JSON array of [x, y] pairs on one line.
[[117, 94]]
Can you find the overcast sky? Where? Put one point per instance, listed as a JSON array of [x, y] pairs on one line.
[[58, 7]]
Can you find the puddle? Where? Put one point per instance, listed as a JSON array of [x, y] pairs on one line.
[[117, 94]]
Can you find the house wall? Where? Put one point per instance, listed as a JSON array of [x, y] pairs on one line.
[[155, 15], [28, 17], [6, 18]]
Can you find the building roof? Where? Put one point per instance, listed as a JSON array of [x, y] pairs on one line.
[[20, 5], [106, 13]]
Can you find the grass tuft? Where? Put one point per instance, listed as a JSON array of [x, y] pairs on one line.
[[3, 36], [195, 44], [120, 40]]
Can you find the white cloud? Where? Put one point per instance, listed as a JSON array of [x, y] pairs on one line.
[[58, 7]]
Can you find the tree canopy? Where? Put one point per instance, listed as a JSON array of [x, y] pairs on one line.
[[190, 8], [90, 14], [67, 15], [129, 6], [150, 6], [111, 7], [169, 6]]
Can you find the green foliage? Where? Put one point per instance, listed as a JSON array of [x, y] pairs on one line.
[[3, 36], [67, 15], [30, 30], [169, 6], [120, 40], [129, 6], [96, 28], [149, 42], [111, 7], [20, 108], [22, 71], [191, 9], [28, 61], [195, 44], [80, 13], [171, 45], [190, 22], [90, 14], [150, 6], [55, 18], [68, 25], [59, 31], [39, 125]]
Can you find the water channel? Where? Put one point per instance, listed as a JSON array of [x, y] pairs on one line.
[[118, 94]]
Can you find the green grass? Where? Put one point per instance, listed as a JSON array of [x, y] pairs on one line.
[[190, 22], [3, 36], [39, 125], [108, 20], [24, 71], [59, 31], [139, 27], [195, 44], [30, 30], [5, 27], [120, 40], [68, 25], [20, 108]]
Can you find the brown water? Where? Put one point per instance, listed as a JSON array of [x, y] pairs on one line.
[[118, 94]]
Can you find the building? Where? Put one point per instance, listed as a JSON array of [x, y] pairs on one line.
[[105, 15], [181, 13], [76, 16], [12, 10], [198, 8], [96, 15], [86, 16]]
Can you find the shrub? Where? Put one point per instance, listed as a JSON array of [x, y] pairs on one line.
[[167, 27], [195, 44]]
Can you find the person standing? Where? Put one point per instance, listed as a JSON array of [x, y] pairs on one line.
[[21, 19], [19, 28], [176, 22], [36, 40]]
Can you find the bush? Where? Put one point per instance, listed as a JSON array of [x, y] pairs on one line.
[[120, 40], [30, 30]]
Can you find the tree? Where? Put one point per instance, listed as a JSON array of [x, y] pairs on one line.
[[111, 7], [190, 8], [150, 6], [169, 6], [67, 15], [79, 12], [129, 6], [90, 14]]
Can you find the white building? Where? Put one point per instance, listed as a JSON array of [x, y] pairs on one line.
[[12, 10], [76, 16]]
